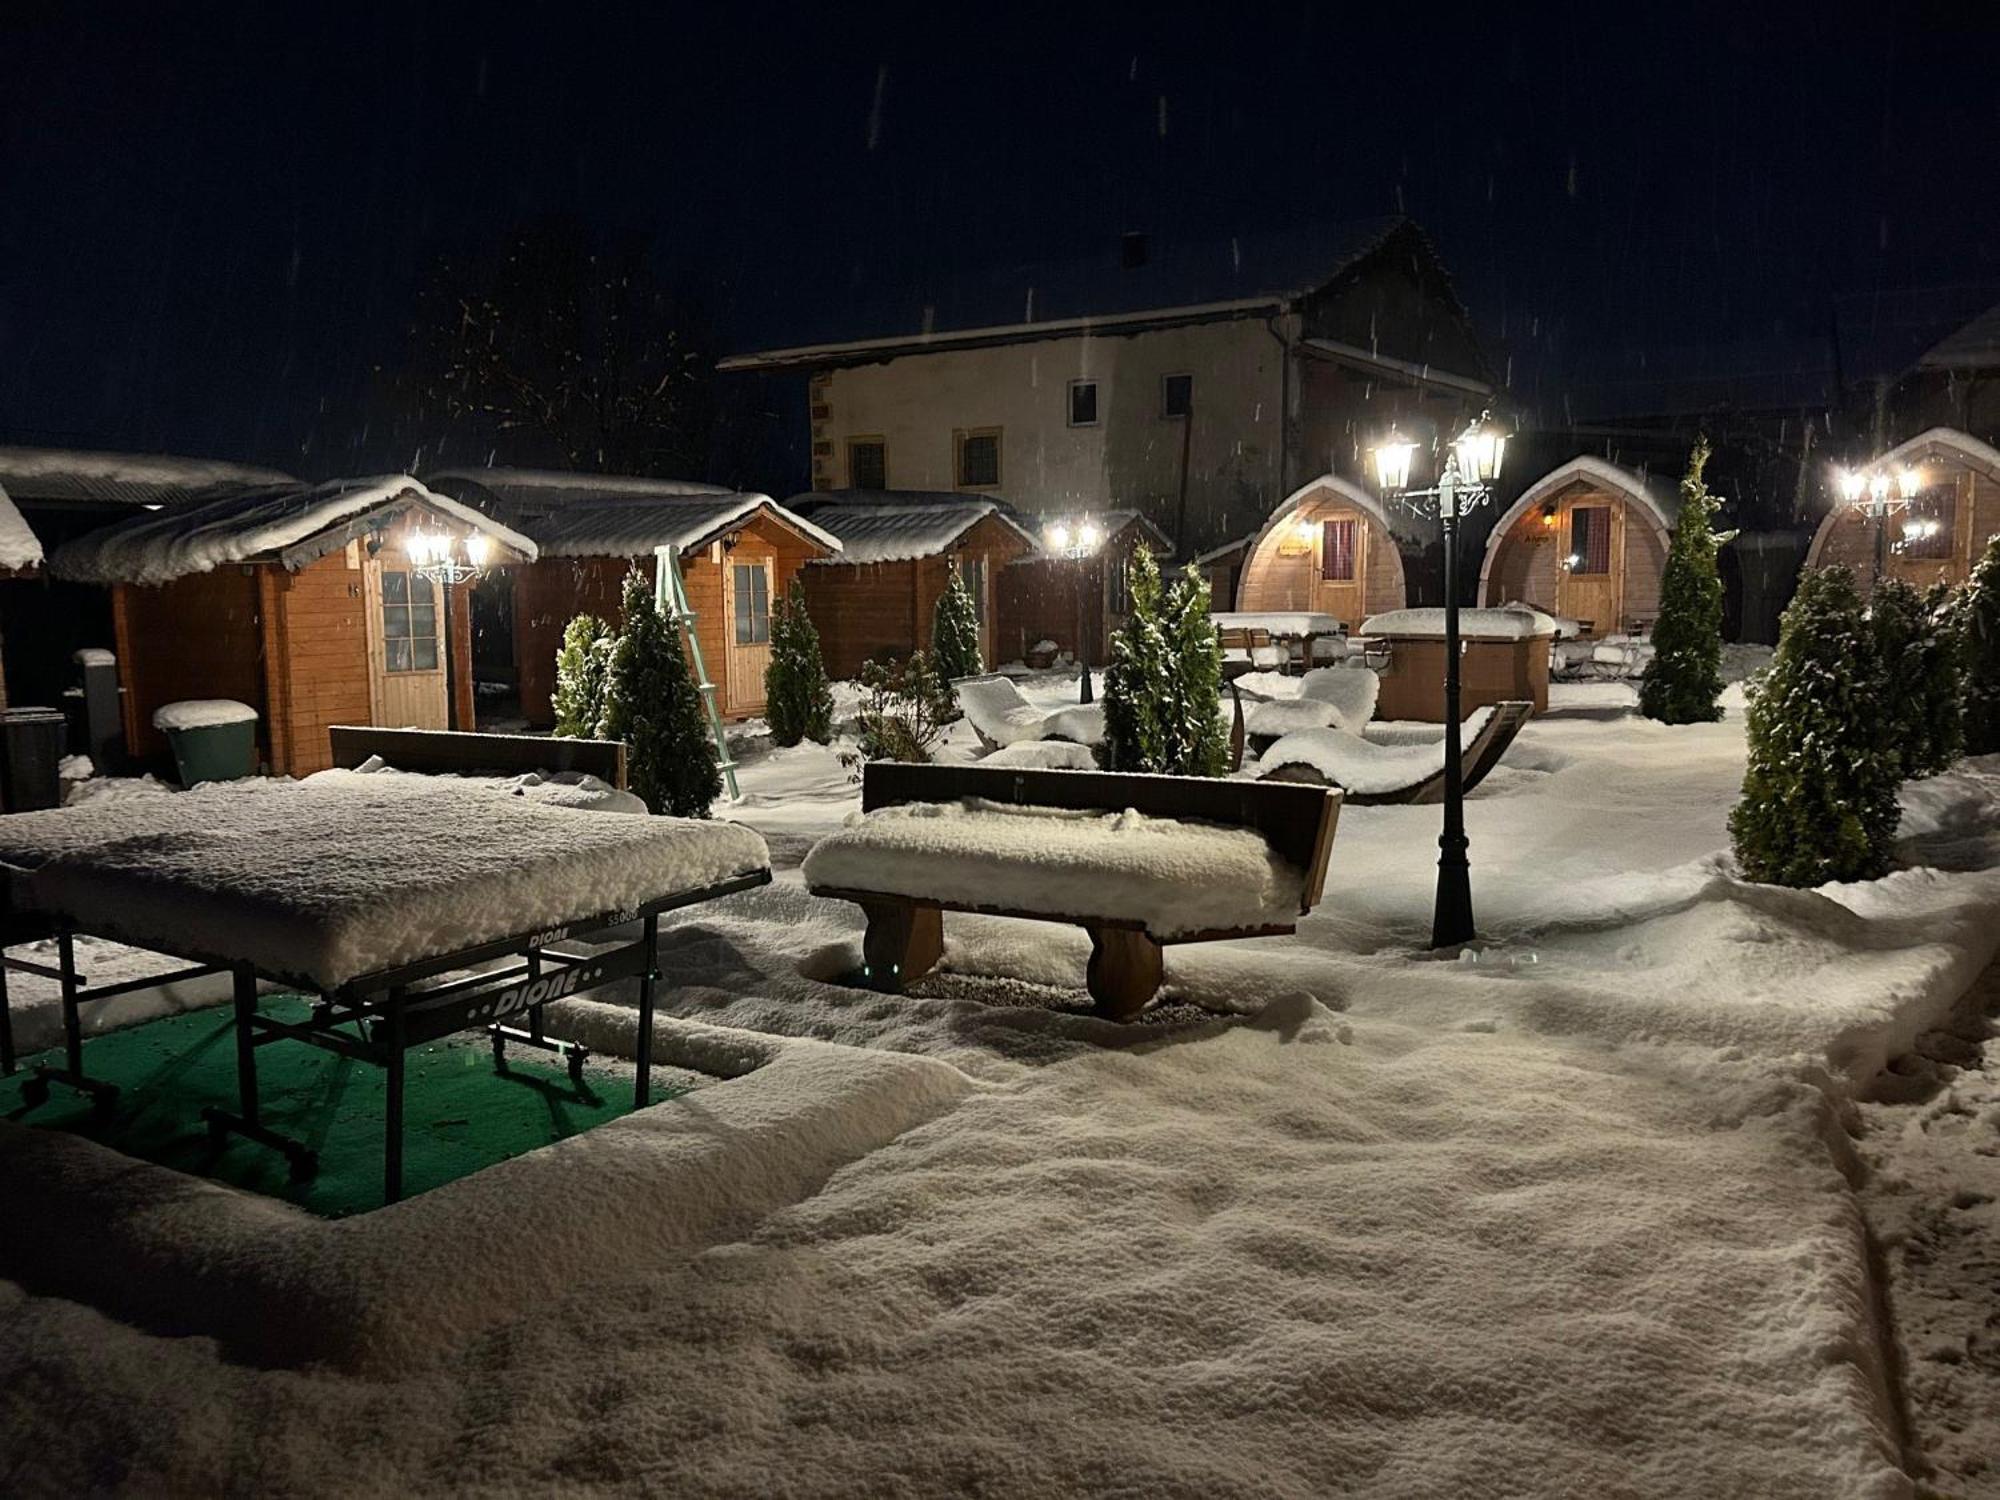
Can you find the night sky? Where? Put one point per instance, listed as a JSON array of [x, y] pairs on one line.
[[214, 215]]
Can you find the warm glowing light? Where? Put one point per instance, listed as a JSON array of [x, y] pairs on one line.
[[1086, 537], [1393, 456], [1878, 488], [1910, 482], [477, 549], [418, 546], [1479, 449], [1058, 536], [1851, 484], [1307, 531]]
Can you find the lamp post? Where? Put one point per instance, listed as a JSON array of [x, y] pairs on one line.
[[1875, 494], [1471, 463], [432, 558], [1077, 542]]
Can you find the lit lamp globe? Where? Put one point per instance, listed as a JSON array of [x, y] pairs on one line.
[[1479, 450], [1393, 456]]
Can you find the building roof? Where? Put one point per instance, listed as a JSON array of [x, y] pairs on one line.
[[616, 515], [1976, 346], [1178, 281], [897, 526], [290, 523], [76, 476], [19, 547]]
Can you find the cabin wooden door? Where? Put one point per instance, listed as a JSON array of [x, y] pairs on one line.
[[746, 585], [1340, 568], [1591, 587], [406, 645]]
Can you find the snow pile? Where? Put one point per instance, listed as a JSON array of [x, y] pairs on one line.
[[1566, 629], [201, 713], [1350, 691], [1270, 721], [1473, 624], [1044, 755], [325, 882], [1361, 766], [94, 656], [1175, 877], [574, 789], [19, 546], [1081, 723], [995, 707], [1611, 657]]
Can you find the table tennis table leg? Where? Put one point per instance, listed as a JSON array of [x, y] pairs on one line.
[[6, 1024], [103, 1096], [392, 1142], [643, 1052], [247, 1119]]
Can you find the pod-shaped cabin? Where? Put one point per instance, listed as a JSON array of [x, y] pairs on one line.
[[1329, 549], [1938, 532], [1585, 542]]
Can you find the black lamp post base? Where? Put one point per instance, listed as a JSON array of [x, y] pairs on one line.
[[1451, 918]]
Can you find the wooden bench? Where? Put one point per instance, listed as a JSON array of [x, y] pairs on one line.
[[905, 935], [463, 753]]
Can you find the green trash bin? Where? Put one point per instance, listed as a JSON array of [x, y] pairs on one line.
[[213, 739]]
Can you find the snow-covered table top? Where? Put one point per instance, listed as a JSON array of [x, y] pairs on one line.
[[1473, 624], [326, 881], [1285, 622], [1175, 877]]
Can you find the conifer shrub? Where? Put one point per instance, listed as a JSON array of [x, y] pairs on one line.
[[906, 708], [1819, 794], [1163, 689], [955, 631], [1977, 612], [798, 699], [1197, 741], [1916, 644], [1135, 738], [654, 706], [583, 675], [1683, 681]]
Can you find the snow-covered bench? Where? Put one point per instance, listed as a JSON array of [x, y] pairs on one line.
[[1000, 716], [1370, 773], [1136, 861], [462, 753], [1335, 697]]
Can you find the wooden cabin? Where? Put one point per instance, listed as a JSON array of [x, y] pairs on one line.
[[1223, 568], [898, 551], [1585, 542], [738, 554], [1939, 534], [1043, 598], [1330, 549], [300, 600], [20, 557]]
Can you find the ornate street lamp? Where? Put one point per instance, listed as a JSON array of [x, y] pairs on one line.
[[1471, 463], [439, 558], [1078, 542], [1876, 494]]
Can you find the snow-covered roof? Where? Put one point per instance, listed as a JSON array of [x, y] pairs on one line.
[[79, 476], [530, 490], [272, 523], [1976, 346], [1402, 522], [633, 528], [1216, 554], [917, 525], [19, 547]]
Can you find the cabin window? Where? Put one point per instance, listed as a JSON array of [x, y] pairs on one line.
[[1927, 523], [752, 591], [1336, 551], [867, 464], [409, 623], [979, 458], [973, 571], [1083, 403], [1176, 395], [1590, 539]]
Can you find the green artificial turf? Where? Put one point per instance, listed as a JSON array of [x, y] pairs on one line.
[[460, 1115]]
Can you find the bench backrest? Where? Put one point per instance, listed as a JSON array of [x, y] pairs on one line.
[[462, 753], [1296, 821]]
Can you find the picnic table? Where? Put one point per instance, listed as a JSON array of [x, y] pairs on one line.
[[1248, 630]]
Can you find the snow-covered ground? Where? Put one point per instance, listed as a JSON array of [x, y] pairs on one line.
[[1579, 1213]]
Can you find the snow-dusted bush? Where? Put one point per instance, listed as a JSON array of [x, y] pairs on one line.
[[1819, 795], [1916, 644], [1684, 679], [654, 707], [798, 700], [1978, 619], [1163, 689], [906, 709], [583, 673], [955, 631]]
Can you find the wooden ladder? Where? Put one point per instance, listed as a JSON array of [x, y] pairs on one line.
[[670, 594]]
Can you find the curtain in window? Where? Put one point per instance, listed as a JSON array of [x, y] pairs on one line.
[[1590, 539], [1336, 551]]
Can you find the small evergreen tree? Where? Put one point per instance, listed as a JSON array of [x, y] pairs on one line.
[[1977, 609], [1921, 686], [1196, 741], [955, 631], [1135, 736], [1819, 794], [655, 708], [1684, 679], [583, 673], [798, 698]]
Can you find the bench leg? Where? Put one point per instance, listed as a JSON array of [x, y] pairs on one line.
[[1126, 969], [904, 942]]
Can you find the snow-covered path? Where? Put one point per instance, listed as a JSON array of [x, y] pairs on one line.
[[1567, 1217]]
